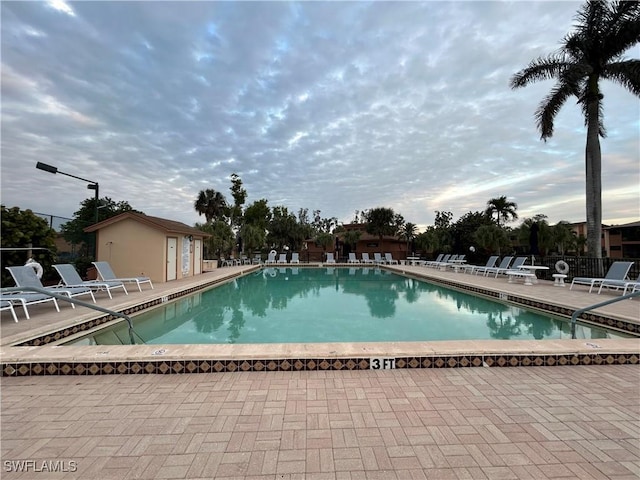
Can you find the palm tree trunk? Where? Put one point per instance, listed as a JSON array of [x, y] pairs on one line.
[[593, 165]]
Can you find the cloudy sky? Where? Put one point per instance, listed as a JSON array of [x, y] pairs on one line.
[[324, 105]]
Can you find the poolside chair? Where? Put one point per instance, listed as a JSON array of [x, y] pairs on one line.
[[7, 305], [330, 258], [617, 271], [25, 276], [295, 257], [352, 258], [632, 285], [436, 263], [271, 258], [451, 262], [493, 259], [107, 275], [389, 259], [515, 267], [257, 259], [377, 258], [365, 258], [438, 259], [282, 258], [71, 278], [28, 298], [504, 264]]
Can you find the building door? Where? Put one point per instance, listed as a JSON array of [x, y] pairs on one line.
[[172, 258], [197, 257]]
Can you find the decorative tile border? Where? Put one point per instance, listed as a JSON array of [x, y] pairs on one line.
[[173, 367]]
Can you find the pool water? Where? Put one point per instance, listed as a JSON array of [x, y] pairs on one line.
[[311, 305]]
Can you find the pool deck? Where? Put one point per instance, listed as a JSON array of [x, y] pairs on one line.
[[573, 422], [560, 422]]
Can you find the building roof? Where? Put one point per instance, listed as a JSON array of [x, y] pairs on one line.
[[626, 225], [168, 226]]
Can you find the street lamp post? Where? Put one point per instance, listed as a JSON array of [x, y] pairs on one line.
[[92, 186]]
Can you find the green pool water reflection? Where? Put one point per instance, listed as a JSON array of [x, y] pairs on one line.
[[310, 305]]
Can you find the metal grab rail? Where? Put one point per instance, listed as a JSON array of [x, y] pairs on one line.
[[68, 299], [580, 311]]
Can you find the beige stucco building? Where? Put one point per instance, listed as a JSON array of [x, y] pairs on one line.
[[136, 244]]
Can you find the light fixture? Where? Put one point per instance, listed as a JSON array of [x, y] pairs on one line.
[[92, 186]]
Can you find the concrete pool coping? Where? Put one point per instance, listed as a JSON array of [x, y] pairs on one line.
[[48, 359]]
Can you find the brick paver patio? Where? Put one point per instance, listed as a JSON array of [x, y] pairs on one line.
[[579, 422]]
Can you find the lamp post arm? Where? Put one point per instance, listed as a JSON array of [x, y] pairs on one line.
[[76, 177]]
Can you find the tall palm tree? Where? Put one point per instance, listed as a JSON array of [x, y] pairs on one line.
[[408, 233], [211, 204], [503, 208], [594, 51]]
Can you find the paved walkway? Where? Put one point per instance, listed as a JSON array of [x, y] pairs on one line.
[[579, 422]]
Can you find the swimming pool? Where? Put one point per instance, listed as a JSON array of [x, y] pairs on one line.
[[323, 305]]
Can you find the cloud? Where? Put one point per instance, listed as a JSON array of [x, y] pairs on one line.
[[321, 105]]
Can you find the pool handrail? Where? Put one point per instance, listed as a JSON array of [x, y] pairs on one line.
[[74, 301], [580, 311]]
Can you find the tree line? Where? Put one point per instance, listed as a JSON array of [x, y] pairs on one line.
[[258, 226]]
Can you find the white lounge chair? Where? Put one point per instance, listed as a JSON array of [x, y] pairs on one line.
[[514, 269], [493, 259], [352, 258], [504, 264], [295, 257], [377, 258], [365, 258], [7, 305], [330, 258], [106, 273], [632, 285], [231, 262], [437, 263], [71, 278], [25, 276], [28, 298], [271, 257], [451, 262], [389, 259], [438, 259], [282, 258], [617, 271]]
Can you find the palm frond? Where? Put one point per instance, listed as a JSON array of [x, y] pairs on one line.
[[550, 106], [623, 32], [543, 68], [625, 73]]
